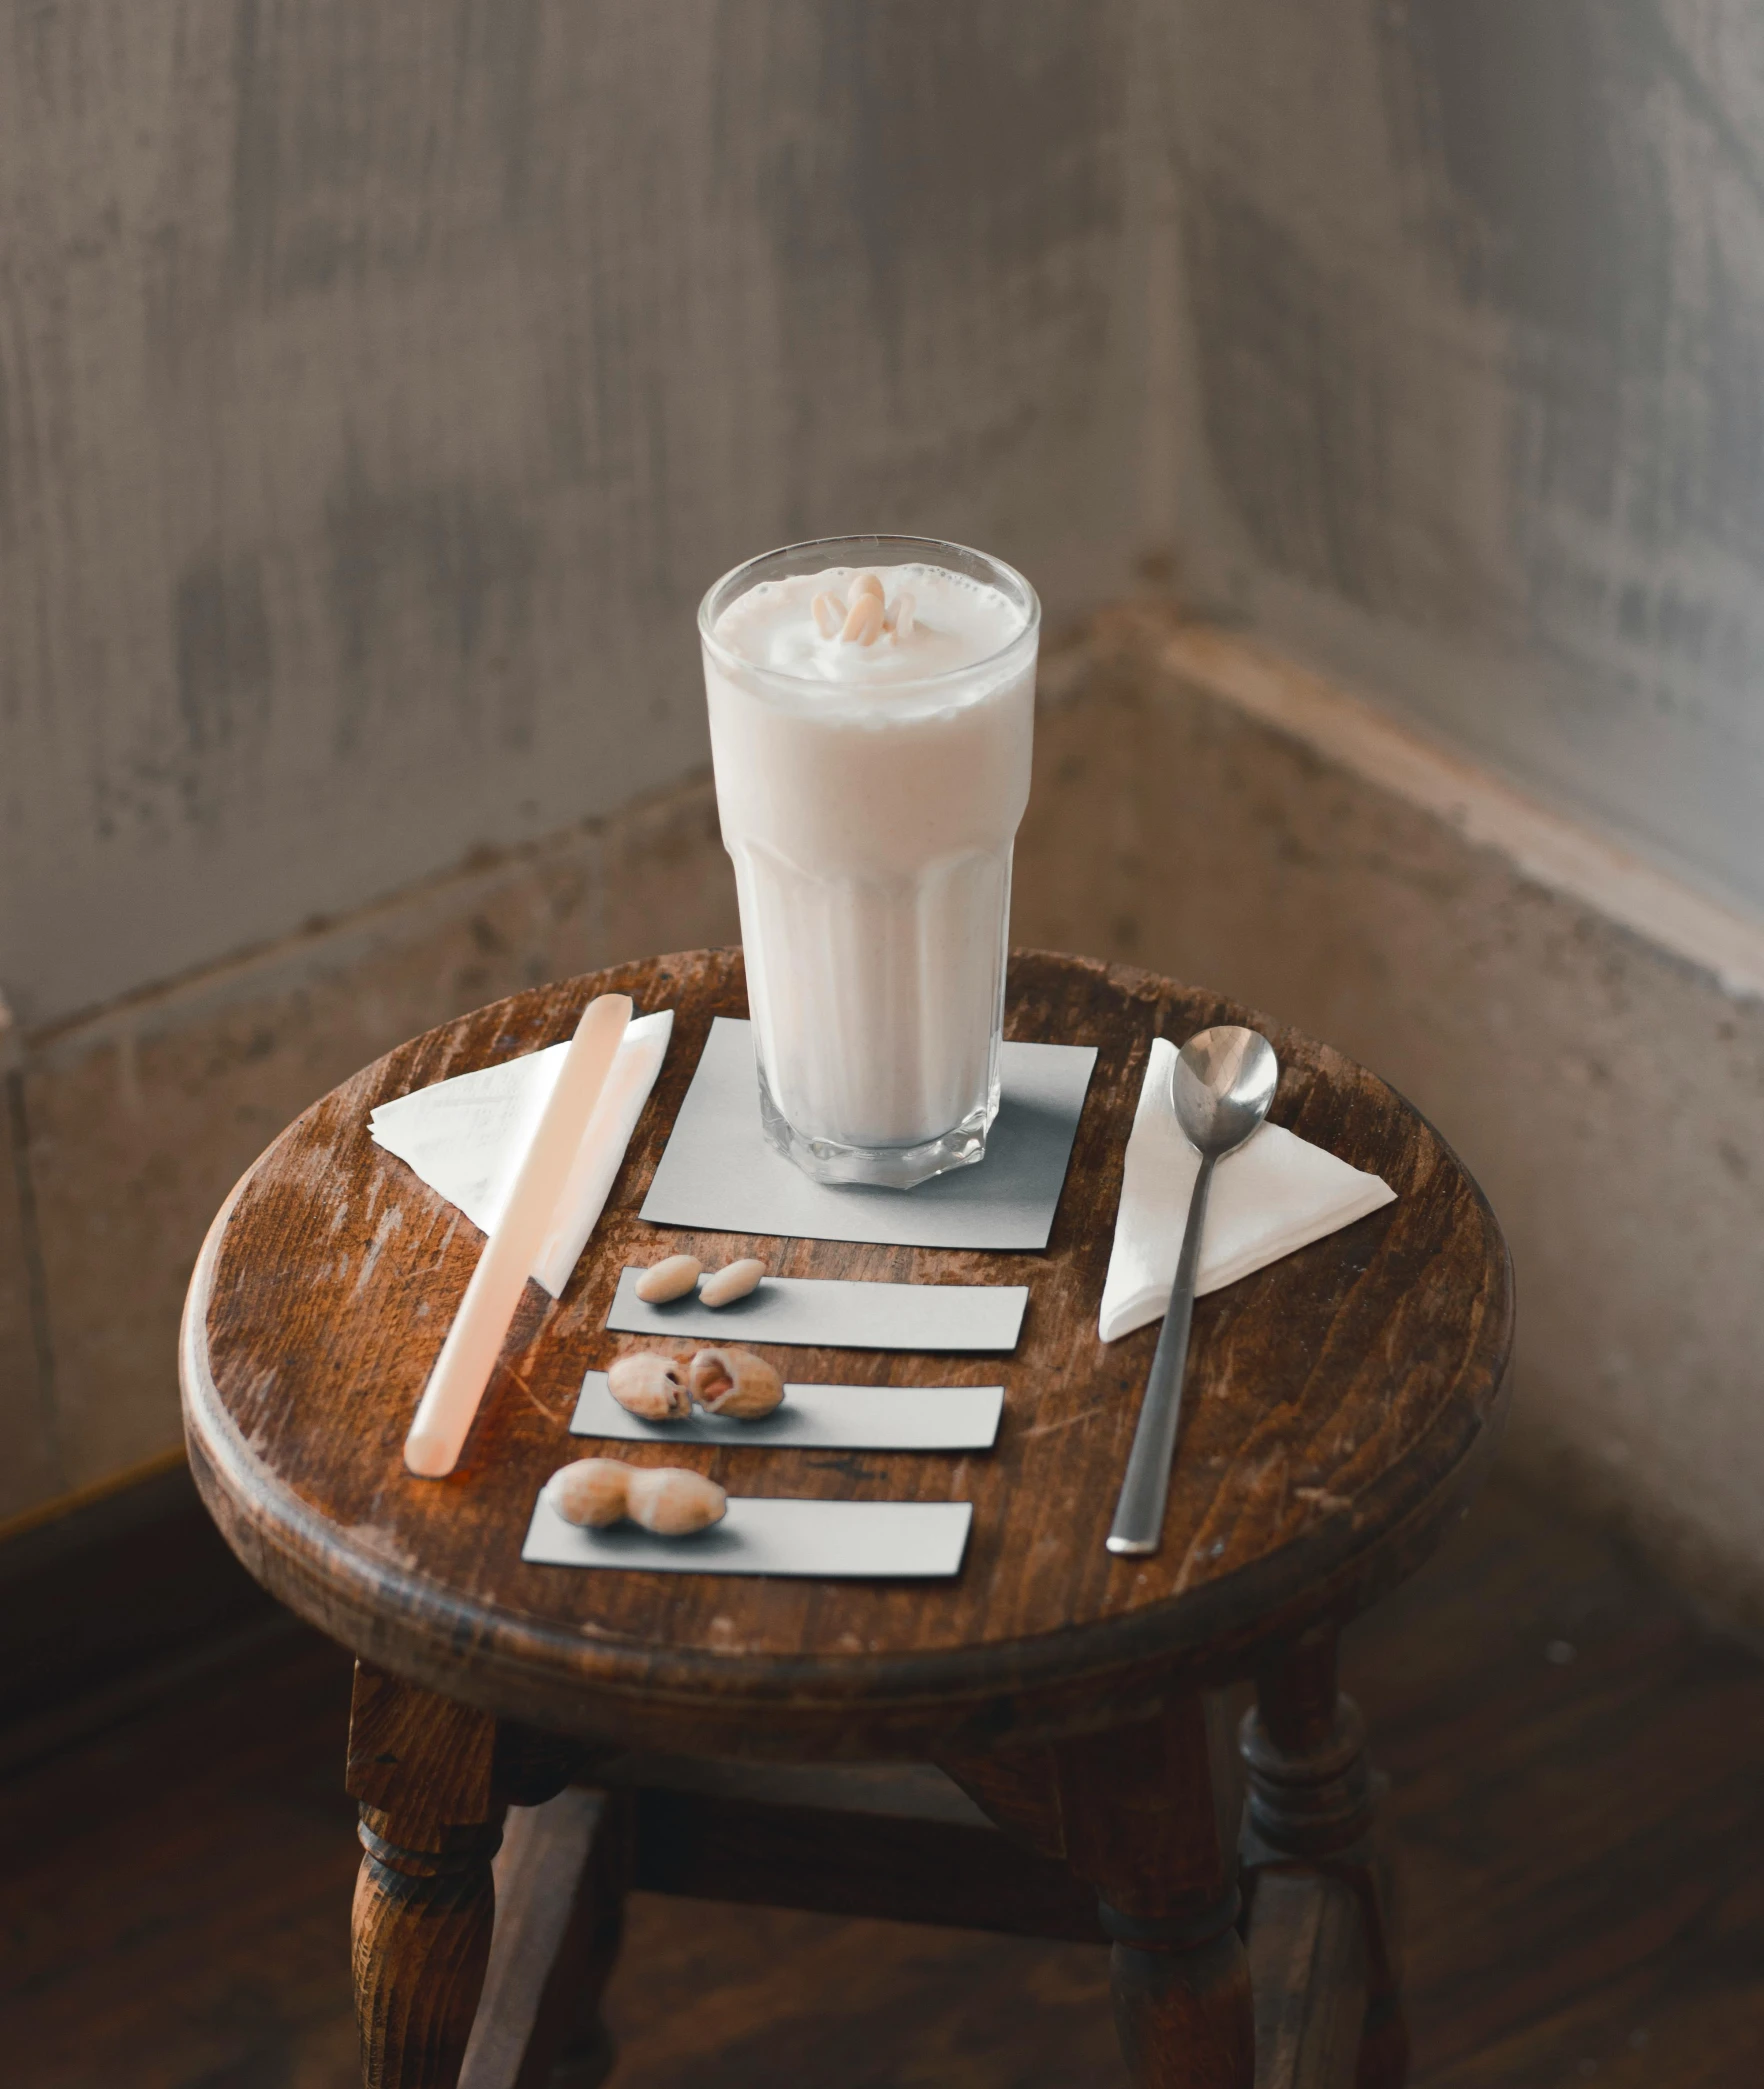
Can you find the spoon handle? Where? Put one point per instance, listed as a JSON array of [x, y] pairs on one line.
[[1139, 1514]]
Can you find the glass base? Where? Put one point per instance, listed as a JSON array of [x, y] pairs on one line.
[[879, 1167]]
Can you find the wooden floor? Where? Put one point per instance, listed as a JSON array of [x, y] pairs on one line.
[[1577, 1792]]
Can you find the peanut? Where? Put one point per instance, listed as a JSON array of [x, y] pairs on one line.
[[647, 1384], [729, 1284], [591, 1492], [864, 621], [672, 1277], [673, 1502], [736, 1383]]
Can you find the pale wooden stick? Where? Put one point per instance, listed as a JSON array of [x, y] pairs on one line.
[[468, 1356]]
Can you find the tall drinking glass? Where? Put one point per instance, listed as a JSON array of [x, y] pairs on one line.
[[872, 766]]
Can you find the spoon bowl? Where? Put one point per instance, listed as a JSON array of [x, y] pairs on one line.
[[1221, 1087]]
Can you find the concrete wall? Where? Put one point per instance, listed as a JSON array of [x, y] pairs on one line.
[[1466, 346], [381, 385]]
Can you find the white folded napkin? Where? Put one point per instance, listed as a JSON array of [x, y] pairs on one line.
[[1275, 1194], [467, 1137]]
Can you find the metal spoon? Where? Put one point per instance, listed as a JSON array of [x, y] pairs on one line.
[[1220, 1088]]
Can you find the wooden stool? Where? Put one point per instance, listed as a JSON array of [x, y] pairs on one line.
[[1340, 1408]]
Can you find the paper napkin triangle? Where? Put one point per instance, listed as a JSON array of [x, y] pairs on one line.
[[1275, 1194], [466, 1137]]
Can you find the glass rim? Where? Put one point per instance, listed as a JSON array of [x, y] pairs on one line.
[[725, 656]]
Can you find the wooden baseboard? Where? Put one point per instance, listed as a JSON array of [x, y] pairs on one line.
[[66, 1509]]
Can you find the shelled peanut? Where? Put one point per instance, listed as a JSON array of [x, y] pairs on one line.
[[666, 1499], [659, 1388]]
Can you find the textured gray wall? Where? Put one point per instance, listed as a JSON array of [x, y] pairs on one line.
[[1468, 349], [383, 381]]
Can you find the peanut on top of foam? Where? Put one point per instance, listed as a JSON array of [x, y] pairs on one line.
[[850, 624]]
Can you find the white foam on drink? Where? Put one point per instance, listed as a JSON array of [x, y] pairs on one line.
[[956, 622]]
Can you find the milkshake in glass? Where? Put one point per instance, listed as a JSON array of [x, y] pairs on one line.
[[871, 711]]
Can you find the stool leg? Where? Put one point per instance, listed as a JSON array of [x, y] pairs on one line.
[[420, 1768], [561, 1880], [588, 2053], [1311, 1808], [424, 1909], [574, 1870], [1142, 1824]]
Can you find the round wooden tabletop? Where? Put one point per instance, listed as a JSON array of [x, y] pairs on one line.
[[1337, 1407]]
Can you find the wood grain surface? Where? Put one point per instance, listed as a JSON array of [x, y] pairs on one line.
[[1340, 1404]]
